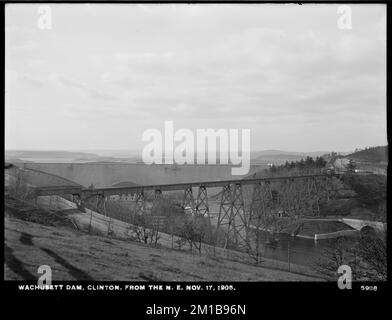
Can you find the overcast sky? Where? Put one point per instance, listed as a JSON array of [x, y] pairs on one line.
[[106, 72]]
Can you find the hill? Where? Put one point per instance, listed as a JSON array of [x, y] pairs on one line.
[[360, 195], [255, 154], [47, 154], [280, 157], [373, 154], [370, 193], [34, 237]]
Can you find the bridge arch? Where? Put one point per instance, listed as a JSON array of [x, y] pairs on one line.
[[123, 184], [368, 231]]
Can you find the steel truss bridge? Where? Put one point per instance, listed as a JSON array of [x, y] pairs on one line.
[[296, 195]]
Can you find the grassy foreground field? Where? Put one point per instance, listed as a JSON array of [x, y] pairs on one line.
[[34, 238]]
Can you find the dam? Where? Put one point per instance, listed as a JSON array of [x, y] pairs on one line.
[[110, 174]]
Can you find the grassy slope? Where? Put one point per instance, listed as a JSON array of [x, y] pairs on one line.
[[375, 154], [371, 193], [359, 196], [75, 255], [373, 159]]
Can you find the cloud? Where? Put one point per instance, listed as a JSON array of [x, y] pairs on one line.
[[69, 82], [261, 66], [13, 78], [75, 84], [95, 94], [260, 70], [31, 80]]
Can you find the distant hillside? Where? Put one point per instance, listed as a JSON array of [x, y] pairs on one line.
[[280, 157], [373, 154], [361, 196], [99, 159], [255, 154], [17, 160], [47, 154], [17, 156]]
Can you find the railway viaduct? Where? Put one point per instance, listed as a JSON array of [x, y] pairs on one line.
[[295, 196]]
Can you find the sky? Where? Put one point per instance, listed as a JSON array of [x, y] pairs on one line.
[[105, 73]]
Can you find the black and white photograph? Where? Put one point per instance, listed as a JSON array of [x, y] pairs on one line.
[[199, 145]]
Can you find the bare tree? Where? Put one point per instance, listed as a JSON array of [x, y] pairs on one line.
[[16, 186], [372, 251], [337, 253], [254, 246], [194, 231], [266, 220], [144, 230]]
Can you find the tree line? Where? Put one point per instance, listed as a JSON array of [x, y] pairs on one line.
[[303, 164]]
